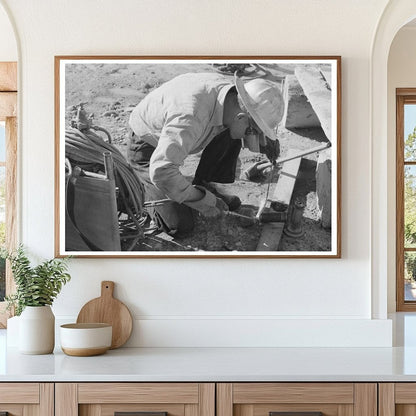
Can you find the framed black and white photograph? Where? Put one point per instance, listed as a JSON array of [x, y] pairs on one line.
[[198, 156]]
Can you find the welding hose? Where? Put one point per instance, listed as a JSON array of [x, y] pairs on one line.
[[87, 148], [106, 132]]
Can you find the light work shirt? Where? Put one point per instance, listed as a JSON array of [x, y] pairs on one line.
[[179, 118]]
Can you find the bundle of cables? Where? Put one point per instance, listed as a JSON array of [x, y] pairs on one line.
[[85, 149]]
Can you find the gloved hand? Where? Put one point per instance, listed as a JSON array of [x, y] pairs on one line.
[[209, 205], [232, 201], [271, 150], [218, 211]]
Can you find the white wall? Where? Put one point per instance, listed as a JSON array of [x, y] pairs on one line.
[[202, 302], [401, 74], [8, 47]]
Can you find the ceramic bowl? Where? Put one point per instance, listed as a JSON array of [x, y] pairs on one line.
[[83, 340]]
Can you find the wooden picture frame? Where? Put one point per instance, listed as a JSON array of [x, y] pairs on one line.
[[288, 210]]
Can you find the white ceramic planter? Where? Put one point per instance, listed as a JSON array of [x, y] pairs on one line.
[[12, 334], [37, 330]]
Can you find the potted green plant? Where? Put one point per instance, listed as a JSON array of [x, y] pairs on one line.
[[36, 289]]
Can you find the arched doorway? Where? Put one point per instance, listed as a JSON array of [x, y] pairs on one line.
[[8, 149], [396, 15], [8, 45]]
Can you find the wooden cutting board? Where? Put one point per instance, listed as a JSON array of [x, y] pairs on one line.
[[108, 310]]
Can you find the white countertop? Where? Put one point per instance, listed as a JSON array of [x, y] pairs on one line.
[[222, 364], [215, 364]]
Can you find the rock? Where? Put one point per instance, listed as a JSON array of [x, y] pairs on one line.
[[248, 212], [318, 93], [323, 187], [110, 113], [299, 112]]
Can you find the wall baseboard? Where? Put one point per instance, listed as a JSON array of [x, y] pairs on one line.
[[256, 332]]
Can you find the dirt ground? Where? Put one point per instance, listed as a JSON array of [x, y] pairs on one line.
[[111, 91]]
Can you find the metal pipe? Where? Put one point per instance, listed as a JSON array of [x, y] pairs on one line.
[[255, 169], [294, 225], [305, 153], [109, 165]]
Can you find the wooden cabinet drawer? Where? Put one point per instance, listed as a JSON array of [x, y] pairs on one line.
[[263, 399], [22, 399], [397, 399], [105, 399]]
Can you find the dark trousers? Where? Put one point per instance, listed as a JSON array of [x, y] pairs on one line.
[[217, 164]]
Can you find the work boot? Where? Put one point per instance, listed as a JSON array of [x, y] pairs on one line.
[[233, 201]]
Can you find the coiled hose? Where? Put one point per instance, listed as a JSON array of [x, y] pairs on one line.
[[85, 149]]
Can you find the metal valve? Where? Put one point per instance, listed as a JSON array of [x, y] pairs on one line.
[[294, 225]]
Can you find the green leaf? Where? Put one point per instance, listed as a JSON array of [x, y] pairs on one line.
[[35, 286]]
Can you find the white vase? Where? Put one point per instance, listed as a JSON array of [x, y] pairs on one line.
[[12, 333], [37, 330]]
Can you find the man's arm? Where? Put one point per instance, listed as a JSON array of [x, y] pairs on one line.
[[177, 139]]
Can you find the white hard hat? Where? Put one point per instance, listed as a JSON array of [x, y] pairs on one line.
[[264, 101]]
